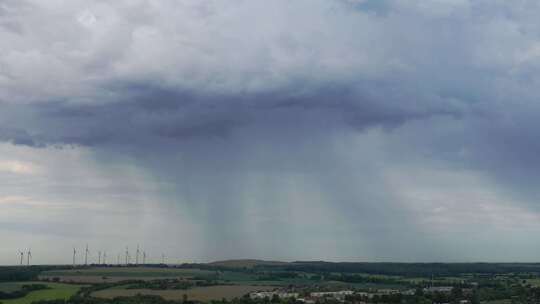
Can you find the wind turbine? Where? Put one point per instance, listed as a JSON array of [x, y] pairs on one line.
[[74, 254], [86, 255], [99, 257], [21, 253], [127, 255], [144, 257], [28, 257], [137, 255], [105, 257]]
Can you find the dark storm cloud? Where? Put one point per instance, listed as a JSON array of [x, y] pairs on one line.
[[18, 137], [335, 103], [9, 11], [141, 114]]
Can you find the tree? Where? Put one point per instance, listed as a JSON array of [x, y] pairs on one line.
[[457, 293], [475, 298]]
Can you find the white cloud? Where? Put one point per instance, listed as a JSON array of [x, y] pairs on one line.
[[86, 18], [18, 167], [12, 199]]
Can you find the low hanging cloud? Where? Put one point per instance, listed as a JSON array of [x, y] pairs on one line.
[[17, 167], [321, 103]]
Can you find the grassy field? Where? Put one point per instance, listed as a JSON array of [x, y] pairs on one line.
[[11, 286], [56, 291], [131, 272], [197, 293], [533, 282], [117, 274]]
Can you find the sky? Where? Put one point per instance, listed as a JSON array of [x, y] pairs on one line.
[[340, 130]]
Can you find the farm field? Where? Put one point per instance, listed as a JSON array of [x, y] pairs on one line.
[[130, 271], [533, 282], [198, 293], [117, 274], [11, 286], [56, 291]]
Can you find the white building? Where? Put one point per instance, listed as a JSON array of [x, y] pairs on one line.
[[441, 289], [332, 294], [270, 294], [387, 291]]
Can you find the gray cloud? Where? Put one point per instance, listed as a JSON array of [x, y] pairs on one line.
[[303, 128]]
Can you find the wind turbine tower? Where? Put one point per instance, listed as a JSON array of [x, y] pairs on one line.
[[144, 257], [28, 257], [74, 254], [137, 255], [86, 255], [99, 257], [21, 254], [127, 255], [104, 257]]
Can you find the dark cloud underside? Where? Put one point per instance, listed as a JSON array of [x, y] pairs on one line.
[[381, 130]]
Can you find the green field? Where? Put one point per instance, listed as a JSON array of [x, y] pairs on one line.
[[198, 293], [533, 282], [118, 274], [97, 274], [11, 286], [131, 272], [55, 291]]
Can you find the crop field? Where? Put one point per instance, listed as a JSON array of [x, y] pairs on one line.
[[117, 274], [533, 282], [198, 293], [284, 282], [56, 291], [11, 286], [131, 272]]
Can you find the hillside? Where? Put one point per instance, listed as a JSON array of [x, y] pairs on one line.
[[246, 263]]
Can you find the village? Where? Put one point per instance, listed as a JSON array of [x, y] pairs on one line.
[[303, 295]]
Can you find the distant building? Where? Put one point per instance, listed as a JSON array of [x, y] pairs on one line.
[[467, 291], [271, 294], [409, 292], [340, 295], [387, 291], [440, 289]]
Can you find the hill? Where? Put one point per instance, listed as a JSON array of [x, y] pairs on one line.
[[246, 263]]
